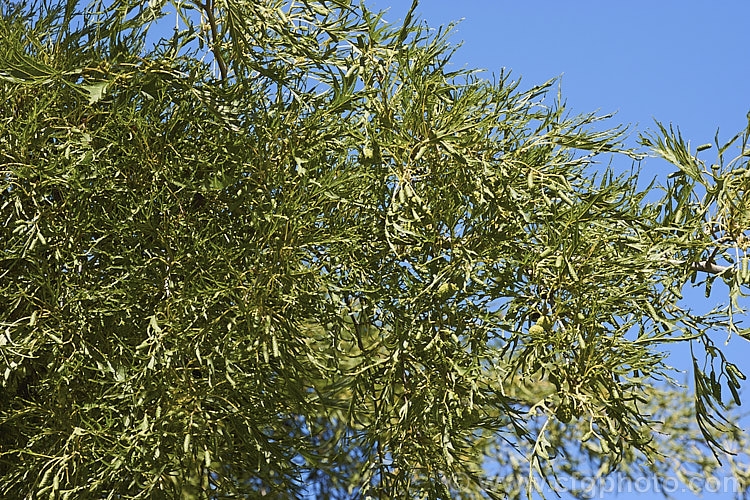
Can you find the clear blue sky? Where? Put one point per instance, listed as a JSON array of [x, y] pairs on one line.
[[680, 62], [685, 62]]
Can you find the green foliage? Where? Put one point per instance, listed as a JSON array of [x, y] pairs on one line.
[[289, 251]]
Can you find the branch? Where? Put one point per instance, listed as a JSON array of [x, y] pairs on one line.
[[208, 8], [708, 265], [704, 266]]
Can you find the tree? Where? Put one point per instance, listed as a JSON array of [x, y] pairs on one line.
[[287, 251]]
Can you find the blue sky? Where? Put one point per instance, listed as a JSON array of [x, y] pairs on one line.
[[682, 62], [686, 63]]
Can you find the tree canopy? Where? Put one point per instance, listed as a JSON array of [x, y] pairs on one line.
[[285, 249]]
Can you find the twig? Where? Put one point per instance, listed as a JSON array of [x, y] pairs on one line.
[[208, 8], [704, 266]]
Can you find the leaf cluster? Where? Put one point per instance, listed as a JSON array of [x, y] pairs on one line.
[[290, 251]]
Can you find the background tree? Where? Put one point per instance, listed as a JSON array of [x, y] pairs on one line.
[[286, 252]]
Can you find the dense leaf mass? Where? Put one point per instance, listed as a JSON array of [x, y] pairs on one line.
[[289, 251]]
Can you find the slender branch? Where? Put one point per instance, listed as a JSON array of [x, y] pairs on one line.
[[708, 265], [704, 266], [349, 302], [714, 252], [208, 8]]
